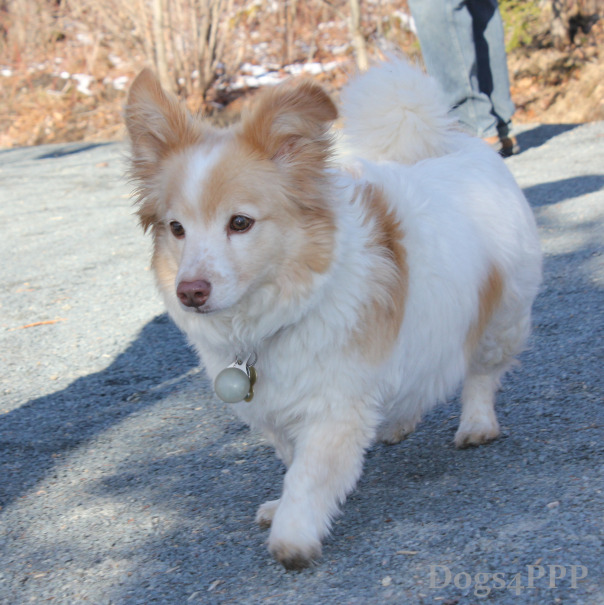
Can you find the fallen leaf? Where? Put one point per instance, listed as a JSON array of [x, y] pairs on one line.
[[407, 552], [40, 323]]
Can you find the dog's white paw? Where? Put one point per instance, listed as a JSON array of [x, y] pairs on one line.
[[394, 433], [476, 432], [295, 555], [266, 512], [294, 539]]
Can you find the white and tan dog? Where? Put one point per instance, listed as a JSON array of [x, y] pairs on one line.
[[369, 286]]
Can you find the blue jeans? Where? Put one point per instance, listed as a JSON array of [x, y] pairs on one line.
[[463, 48]]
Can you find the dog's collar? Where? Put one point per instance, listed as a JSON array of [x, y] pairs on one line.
[[236, 383]]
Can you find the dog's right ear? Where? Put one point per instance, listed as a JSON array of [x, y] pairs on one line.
[[158, 124], [156, 121]]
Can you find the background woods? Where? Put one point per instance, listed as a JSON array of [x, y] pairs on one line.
[[65, 65]]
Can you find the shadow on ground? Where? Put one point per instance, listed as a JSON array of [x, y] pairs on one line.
[[33, 435], [564, 189], [535, 137], [69, 149]]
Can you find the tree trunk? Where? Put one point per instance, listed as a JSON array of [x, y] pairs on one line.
[[357, 36], [160, 45]]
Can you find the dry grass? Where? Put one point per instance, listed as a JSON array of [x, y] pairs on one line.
[[200, 47]]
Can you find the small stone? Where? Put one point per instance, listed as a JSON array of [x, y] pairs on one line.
[[386, 581]]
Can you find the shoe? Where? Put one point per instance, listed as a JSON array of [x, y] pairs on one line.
[[509, 146], [505, 146]]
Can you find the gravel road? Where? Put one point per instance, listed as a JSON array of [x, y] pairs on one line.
[[123, 480]]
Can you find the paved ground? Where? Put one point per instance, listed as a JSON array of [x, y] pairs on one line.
[[122, 480]]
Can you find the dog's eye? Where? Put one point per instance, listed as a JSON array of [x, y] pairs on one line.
[[177, 229], [240, 223]]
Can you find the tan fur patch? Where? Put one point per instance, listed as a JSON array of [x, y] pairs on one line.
[[277, 159], [295, 203], [490, 295], [165, 266], [290, 125], [235, 177], [283, 116], [381, 320]]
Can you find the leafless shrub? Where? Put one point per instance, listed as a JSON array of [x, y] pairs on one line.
[[564, 19], [25, 26], [182, 39], [199, 48]]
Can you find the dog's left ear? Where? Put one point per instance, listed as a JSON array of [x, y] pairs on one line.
[[287, 118]]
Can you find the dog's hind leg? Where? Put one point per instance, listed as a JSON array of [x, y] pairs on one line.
[[478, 422], [495, 353], [395, 430]]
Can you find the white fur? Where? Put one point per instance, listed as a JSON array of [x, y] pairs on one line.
[[318, 400], [395, 112]]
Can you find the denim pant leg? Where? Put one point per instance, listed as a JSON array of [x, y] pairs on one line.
[[493, 78], [463, 48]]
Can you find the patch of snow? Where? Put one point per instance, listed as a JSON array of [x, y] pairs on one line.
[[253, 70], [115, 60], [265, 79], [297, 69], [255, 76], [84, 81], [331, 65], [84, 38], [314, 69], [406, 20], [331, 24], [341, 49], [120, 83]]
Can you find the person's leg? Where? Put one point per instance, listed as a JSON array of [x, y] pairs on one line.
[[492, 67], [446, 36]]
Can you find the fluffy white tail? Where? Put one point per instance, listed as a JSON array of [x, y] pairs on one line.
[[395, 112]]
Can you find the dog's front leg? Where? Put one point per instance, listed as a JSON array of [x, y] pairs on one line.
[[327, 462]]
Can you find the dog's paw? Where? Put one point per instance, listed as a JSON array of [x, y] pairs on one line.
[[476, 432], [295, 556], [266, 512], [394, 433], [294, 540]]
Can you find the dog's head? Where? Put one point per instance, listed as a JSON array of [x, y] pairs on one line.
[[239, 215]]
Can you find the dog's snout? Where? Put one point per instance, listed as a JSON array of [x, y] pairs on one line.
[[194, 293]]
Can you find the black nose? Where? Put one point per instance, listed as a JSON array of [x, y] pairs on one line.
[[194, 293]]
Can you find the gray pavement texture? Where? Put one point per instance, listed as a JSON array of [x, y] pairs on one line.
[[123, 480]]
